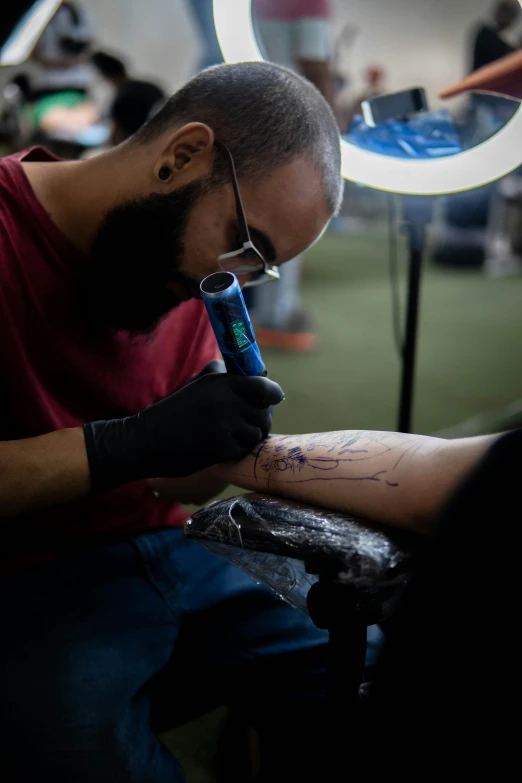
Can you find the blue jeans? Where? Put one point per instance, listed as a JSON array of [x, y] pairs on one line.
[[102, 648]]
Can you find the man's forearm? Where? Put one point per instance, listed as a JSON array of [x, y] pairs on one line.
[[44, 471], [388, 477]]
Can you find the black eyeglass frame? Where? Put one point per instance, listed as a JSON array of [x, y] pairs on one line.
[[265, 272]]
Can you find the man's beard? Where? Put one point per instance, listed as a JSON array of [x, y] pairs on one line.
[[136, 253]]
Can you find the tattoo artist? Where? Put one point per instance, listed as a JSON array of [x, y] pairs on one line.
[[116, 625]]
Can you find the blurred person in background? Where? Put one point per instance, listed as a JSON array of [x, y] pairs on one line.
[[112, 70], [491, 112], [489, 44], [61, 58], [203, 16], [131, 101], [297, 34], [55, 89], [472, 233], [343, 42], [135, 103], [374, 78], [111, 74]]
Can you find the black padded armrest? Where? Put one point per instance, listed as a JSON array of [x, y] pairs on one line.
[[277, 541]]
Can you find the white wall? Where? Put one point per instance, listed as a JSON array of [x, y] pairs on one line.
[[157, 36]]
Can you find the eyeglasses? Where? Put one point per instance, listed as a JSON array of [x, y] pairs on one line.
[[247, 260]]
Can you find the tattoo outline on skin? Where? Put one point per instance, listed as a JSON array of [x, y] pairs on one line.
[[285, 456], [288, 458]]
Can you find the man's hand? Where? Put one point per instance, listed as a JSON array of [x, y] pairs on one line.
[[201, 487], [195, 490], [216, 365], [216, 418]]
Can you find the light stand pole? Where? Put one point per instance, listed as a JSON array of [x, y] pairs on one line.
[[417, 214]]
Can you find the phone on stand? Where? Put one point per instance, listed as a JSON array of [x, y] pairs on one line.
[[394, 106]]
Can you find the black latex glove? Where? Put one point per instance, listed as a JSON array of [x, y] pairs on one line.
[[216, 418], [216, 365]]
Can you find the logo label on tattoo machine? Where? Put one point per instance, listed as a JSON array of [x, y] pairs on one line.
[[231, 324]]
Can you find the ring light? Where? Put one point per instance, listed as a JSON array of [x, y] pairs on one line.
[[473, 168], [27, 32]]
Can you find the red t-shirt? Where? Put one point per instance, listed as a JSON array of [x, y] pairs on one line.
[[54, 373], [292, 10]]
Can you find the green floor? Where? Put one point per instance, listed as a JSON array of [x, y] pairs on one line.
[[469, 349], [469, 365]]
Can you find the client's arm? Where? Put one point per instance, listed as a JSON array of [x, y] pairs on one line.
[[388, 477], [194, 490]]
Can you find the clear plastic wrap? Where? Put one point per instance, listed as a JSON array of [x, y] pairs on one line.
[[272, 539]]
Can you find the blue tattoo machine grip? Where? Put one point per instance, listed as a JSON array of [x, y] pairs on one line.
[[231, 324]]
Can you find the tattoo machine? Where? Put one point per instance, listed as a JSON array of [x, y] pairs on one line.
[[231, 324]]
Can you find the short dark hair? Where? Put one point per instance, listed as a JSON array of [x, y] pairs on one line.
[[133, 105], [267, 116], [108, 66]]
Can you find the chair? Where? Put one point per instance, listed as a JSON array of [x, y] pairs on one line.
[[345, 572]]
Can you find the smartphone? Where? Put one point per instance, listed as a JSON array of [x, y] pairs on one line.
[[396, 105]]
